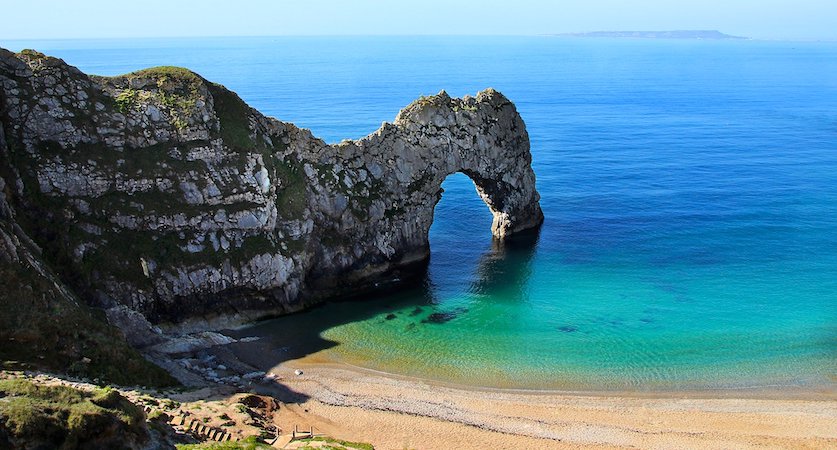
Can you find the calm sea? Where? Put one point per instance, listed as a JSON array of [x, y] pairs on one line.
[[689, 188]]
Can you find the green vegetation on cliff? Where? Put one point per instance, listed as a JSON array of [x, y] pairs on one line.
[[42, 327], [250, 443], [324, 442], [61, 416], [234, 116], [178, 91], [177, 74]]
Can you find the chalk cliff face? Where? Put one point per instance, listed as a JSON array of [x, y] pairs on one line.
[[165, 193]]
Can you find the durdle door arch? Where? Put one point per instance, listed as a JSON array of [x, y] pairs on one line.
[[483, 138], [404, 163]]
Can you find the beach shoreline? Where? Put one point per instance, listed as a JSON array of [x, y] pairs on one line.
[[824, 391], [396, 411]]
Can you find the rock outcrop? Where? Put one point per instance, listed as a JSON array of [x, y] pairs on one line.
[[165, 193], [44, 325]]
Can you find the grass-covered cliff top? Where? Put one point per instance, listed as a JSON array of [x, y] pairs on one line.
[[173, 72], [65, 417]]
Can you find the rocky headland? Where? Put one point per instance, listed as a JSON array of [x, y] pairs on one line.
[[169, 203]]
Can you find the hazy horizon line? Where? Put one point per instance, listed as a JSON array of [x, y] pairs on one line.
[[563, 34]]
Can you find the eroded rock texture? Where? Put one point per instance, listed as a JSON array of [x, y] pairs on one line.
[[166, 193]]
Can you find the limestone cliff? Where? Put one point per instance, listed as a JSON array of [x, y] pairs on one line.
[[44, 325], [165, 193]]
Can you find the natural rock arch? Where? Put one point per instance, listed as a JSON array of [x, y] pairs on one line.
[[487, 141], [434, 137]]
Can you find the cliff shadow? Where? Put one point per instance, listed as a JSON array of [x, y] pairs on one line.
[[502, 270], [465, 259], [266, 344]]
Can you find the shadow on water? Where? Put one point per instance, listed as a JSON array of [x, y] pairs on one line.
[[505, 267], [299, 334]]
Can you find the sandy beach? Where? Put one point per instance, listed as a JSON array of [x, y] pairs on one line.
[[394, 412]]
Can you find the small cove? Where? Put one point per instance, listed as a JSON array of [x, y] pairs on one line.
[[689, 189]]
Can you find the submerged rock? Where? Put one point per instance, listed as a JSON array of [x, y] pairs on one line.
[[440, 317]]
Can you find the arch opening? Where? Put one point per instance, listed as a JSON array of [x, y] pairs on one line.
[[466, 258], [459, 215], [460, 234]]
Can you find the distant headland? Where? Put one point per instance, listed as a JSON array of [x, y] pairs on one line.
[[676, 34]]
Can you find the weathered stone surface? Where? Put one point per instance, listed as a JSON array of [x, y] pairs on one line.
[[165, 193]]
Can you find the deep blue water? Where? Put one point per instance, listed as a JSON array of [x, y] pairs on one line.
[[689, 189]]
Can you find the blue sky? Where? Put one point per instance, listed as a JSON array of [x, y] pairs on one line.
[[762, 19]]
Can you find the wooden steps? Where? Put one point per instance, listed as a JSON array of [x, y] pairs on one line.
[[185, 424]]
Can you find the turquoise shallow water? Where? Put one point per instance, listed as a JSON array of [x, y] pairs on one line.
[[689, 188]]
